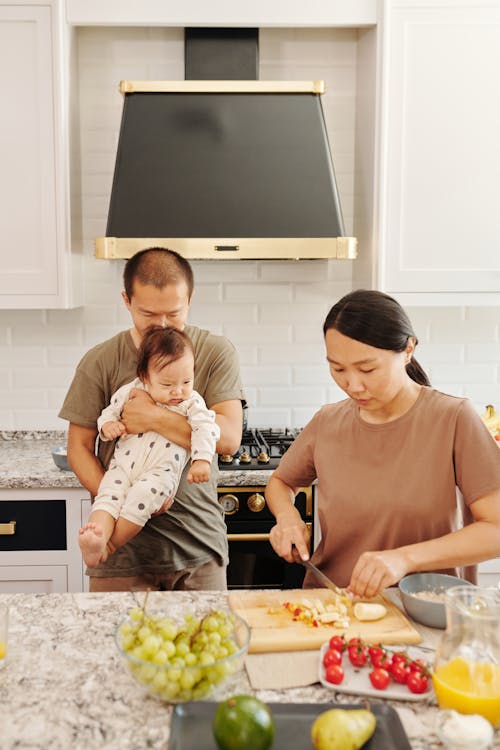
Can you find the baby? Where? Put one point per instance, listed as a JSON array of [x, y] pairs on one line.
[[146, 468]]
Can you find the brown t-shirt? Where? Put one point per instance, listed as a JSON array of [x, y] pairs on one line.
[[382, 486], [192, 532]]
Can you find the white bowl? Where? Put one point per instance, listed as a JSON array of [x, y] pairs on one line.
[[426, 611]]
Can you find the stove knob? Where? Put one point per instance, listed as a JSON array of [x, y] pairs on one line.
[[263, 458], [226, 459], [256, 502], [230, 504], [245, 458]]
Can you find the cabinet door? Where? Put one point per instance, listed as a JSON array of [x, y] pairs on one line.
[[33, 579], [440, 152]]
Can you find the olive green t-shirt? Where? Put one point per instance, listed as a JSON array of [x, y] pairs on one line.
[[382, 486], [192, 532]]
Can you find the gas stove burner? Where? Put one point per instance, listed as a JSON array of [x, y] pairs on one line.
[[261, 448]]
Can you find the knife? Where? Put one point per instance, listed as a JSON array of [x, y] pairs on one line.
[[323, 578]]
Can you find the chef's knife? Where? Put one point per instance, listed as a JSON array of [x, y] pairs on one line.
[[321, 577]]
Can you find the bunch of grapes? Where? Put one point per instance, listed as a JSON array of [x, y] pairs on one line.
[[180, 661]]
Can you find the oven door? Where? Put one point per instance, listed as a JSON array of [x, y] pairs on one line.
[[252, 561], [253, 564]]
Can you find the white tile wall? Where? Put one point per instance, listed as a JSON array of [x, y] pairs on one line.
[[272, 311]]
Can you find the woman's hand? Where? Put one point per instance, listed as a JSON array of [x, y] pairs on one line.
[[290, 537], [375, 571]]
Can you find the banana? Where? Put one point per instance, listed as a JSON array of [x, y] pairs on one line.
[[491, 419], [369, 611]]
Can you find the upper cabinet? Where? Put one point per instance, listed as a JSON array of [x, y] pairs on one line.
[[37, 266], [437, 236]]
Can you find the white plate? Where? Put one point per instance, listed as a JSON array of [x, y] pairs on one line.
[[357, 681]]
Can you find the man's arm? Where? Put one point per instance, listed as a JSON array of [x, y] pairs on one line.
[[82, 458], [229, 417], [140, 414]]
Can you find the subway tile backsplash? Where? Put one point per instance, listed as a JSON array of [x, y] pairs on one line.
[[272, 311]]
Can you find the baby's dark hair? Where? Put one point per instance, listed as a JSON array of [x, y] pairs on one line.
[[159, 347], [377, 319]]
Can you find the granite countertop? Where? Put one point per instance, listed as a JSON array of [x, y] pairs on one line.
[[26, 462], [63, 685]]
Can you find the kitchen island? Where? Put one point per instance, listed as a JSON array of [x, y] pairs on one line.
[[63, 684]]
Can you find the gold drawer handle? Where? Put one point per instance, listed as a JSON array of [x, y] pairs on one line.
[[7, 528]]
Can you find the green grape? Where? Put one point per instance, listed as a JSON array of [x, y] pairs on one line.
[[143, 632], [160, 657], [182, 648], [136, 614], [151, 645], [188, 679], [174, 674], [210, 623], [190, 659]]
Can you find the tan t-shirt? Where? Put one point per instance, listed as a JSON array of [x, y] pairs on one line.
[[192, 532], [381, 486]]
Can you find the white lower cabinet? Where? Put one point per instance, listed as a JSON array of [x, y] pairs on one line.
[[39, 550], [489, 573]]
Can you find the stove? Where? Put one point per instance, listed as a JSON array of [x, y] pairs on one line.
[[260, 448], [252, 561]]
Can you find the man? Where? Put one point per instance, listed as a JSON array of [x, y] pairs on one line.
[[186, 547]]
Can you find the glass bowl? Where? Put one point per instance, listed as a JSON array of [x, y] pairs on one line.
[[179, 660]]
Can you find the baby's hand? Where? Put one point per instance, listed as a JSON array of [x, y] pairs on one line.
[[112, 430], [199, 472]]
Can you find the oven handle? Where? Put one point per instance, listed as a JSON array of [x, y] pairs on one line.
[[254, 537]]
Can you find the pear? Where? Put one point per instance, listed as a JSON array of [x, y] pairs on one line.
[[342, 729]]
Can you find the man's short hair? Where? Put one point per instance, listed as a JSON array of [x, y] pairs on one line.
[[158, 267]]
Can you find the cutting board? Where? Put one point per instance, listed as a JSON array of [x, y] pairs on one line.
[[276, 631]]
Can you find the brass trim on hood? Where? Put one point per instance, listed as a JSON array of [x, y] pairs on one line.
[[223, 248], [230, 87]]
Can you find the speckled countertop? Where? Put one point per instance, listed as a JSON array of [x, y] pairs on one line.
[[63, 685], [26, 462]]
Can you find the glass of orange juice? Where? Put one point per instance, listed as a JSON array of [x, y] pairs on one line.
[[4, 626], [466, 674]]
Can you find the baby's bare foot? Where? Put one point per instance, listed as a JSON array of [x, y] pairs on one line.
[[92, 544]]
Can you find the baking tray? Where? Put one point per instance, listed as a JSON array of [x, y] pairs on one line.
[[191, 727]]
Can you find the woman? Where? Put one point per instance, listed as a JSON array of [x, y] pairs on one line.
[[388, 461]]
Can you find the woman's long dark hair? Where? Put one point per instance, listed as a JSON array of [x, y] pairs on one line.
[[378, 320]]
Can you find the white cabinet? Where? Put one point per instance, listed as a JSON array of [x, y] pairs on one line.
[[37, 267], [489, 573], [437, 239], [39, 550]]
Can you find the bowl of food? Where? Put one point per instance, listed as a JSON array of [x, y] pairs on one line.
[[183, 659], [422, 595], [60, 458]]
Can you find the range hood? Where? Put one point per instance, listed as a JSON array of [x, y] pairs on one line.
[[224, 168]]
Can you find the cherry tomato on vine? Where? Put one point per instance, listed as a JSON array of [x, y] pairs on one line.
[[379, 678], [332, 656], [334, 673], [418, 665], [400, 672], [417, 682], [337, 642], [358, 655], [379, 657], [355, 642]]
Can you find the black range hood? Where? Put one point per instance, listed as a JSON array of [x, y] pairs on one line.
[[230, 167]]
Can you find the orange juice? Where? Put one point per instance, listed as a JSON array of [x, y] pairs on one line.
[[469, 688]]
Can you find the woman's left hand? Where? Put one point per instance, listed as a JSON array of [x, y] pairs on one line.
[[375, 571]]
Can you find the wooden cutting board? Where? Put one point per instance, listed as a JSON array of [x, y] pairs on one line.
[[276, 631]]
